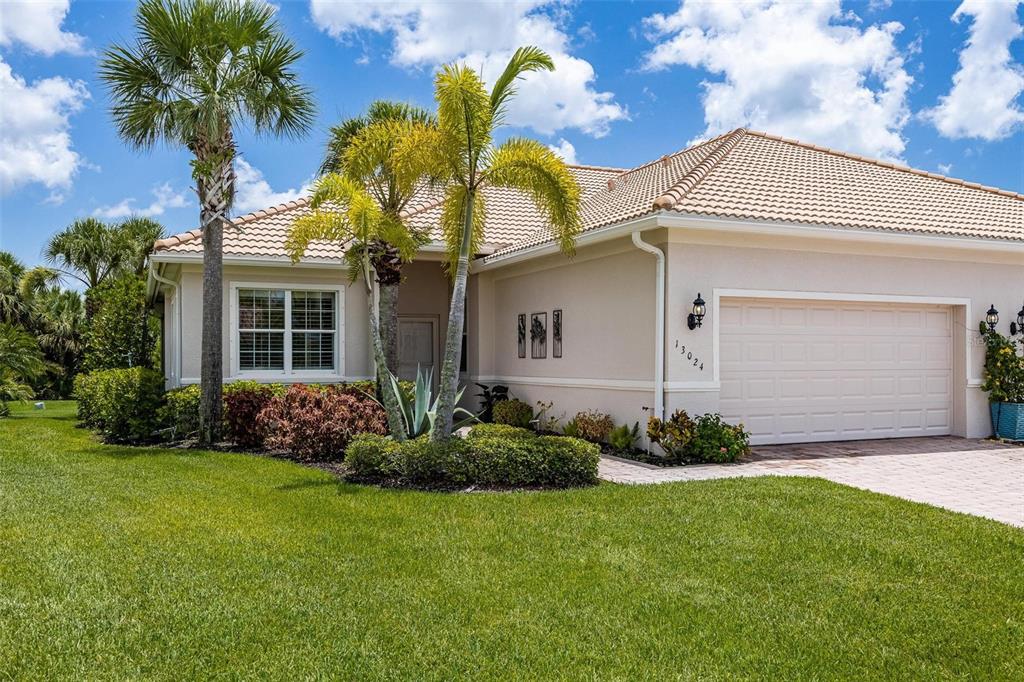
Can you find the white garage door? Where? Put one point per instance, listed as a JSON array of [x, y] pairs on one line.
[[801, 371]]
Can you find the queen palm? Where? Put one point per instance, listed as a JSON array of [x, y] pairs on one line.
[[344, 211], [198, 70], [461, 149], [363, 148]]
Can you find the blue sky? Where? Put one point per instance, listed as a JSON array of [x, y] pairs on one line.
[[931, 84]]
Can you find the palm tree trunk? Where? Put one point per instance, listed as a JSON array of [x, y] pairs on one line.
[[216, 192], [396, 423], [449, 388], [389, 324]]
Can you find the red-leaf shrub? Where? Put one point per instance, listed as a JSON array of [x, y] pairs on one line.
[[318, 424], [243, 402]]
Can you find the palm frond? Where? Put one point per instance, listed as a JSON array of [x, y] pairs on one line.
[[464, 117], [525, 59], [453, 216], [529, 166]]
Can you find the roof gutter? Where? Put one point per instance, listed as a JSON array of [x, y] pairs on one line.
[[176, 357], [659, 322], [600, 234]]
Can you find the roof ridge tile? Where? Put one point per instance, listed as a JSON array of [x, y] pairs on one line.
[[677, 192]]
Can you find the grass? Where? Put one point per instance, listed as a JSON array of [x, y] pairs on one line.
[[118, 562]]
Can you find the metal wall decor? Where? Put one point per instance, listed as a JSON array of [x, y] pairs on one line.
[[538, 335], [556, 333], [521, 334]]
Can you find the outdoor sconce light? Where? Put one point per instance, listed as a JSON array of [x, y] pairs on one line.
[[700, 309], [1018, 326], [992, 317]]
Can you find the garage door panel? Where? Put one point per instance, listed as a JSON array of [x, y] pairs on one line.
[[828, 371]]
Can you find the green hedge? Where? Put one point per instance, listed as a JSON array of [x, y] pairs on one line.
[[513, 412], [515, 459], [121, 404]]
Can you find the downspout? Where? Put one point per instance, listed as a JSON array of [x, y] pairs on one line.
[[659, 324], [176, 358]]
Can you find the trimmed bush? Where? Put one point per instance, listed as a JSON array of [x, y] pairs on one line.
[[180, 413], [122, 332], [499, 431], [121, 404], [715, 441], [513, 412], [593, 426], [518, 459], [318, 424], [243, 403]]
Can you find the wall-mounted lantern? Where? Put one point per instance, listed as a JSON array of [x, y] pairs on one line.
[[992, 317], [700, 309], [1018, 326]]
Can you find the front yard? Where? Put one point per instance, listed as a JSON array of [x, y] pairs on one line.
[[127, 562]]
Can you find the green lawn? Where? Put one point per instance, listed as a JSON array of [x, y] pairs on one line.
[[119, 562]]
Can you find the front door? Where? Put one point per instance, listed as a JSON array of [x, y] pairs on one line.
[[417, 346]]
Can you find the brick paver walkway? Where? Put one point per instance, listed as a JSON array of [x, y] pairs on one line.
[[976, 477]]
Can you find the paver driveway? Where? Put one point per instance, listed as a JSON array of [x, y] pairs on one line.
[[971, 476]]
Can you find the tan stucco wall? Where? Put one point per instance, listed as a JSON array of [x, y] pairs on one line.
[[358, 360], [702, 262], [606, 294]]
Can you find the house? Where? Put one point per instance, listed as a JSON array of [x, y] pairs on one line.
[[842, 295]]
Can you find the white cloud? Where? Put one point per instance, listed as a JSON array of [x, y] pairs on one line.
[[945, 168], [35, 142], [983, 101], [164, 197], [565, 150], [808, 71], [36, 25], [253, 192], [484, 35]]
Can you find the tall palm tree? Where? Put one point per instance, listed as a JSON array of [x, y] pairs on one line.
[[197, 71], [19, 286], [363, 149], [344, 211], [462, 150]]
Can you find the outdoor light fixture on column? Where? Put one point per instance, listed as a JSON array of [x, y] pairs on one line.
[[1018, 326], [992, 317], [700, 309]]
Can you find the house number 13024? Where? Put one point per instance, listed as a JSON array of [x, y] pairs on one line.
[[690, 357]]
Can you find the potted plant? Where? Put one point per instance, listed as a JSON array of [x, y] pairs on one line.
[[1004, 381]]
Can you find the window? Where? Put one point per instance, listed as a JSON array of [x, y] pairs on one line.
[[287, 331]]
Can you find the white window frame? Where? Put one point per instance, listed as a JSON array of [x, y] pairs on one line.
[[288, 374]]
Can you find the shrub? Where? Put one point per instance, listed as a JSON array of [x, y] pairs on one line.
[[513, 412], [499, 431], [621, 438], [243, 402], [1004, 369], [318, 424], [489, 397], [715, 441], [372, 455], [593, 426], [122, 332], [673, 434], [708, 439], [180, 412], [121, 404], [571, 429], [516, 459]]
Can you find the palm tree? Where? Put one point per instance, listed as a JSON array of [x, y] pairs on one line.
[[58, 322], [462, 150], [21, 362], [138, 236], [88, 250], [19, 285], [344, 211], [197, 71], [363, 148]]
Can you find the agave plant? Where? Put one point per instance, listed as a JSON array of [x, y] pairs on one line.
[[420, 410]]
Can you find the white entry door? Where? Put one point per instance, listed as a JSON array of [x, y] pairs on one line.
[[795, 371], [417, 346]]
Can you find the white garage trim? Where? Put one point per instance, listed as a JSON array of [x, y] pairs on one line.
[[718, 294]]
